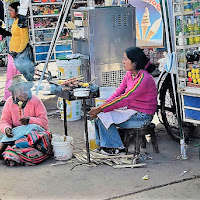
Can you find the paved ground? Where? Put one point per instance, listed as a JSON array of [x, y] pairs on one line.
[[103, 182]]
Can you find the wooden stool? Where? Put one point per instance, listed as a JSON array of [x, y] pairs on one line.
[[140, 140]]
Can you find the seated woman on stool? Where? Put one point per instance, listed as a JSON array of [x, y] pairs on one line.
[[132, 105], [23, 114]]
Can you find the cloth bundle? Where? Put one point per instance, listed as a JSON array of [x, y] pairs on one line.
[[29, 150]]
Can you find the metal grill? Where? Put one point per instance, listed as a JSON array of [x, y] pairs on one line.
[[114, 20], [126, 20], [119, 20], [112, 78]]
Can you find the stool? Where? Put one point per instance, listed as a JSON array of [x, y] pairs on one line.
[[140, 140]]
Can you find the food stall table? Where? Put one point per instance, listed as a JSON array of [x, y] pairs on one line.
[[68, 95]]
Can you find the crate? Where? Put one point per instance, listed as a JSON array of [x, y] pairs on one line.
[[41, 51], [191, 108]]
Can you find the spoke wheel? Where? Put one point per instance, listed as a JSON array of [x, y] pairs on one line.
[[168, 111]]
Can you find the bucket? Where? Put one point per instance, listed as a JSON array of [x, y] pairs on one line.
[[108, 2], [68, 68], [105, 93], [73, 109], [62, 149]]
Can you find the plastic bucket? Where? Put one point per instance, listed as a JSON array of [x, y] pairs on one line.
[[68, 68], [63, 150], [105, 93], [73, 109]]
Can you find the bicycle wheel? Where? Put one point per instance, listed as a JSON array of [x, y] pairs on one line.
[[168, 111]]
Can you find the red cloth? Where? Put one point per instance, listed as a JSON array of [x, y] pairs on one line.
[[34, 109]]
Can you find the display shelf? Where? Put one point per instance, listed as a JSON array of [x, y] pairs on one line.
[[47, 15], [79, 2], [189, 36], [49, 28], [193, 85], [47, 3], [183, 13], [191, 1], [41, 31], [187, 23], [187, 46]]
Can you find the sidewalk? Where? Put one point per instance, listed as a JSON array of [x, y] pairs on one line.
[[102, 182]]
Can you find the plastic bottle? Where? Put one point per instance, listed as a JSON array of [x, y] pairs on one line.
[[178, 27], [196, 31], [182, 60], [182, 65], [91, 134], [91, 4], [185, 31], [190, 29], [181, 39]]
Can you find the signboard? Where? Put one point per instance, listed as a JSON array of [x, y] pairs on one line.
[[149, 24]]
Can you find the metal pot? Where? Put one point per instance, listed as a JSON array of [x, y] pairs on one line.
[[81, 92]]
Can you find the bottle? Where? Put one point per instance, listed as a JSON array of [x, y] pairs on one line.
[[182, 60], [185, 30], [181, 41], [178, 27], [182, 65], [190, 30], [91, 134], [196, 31], [178, 8], [91, 4]]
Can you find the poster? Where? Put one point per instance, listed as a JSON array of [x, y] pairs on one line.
[[149, 24]]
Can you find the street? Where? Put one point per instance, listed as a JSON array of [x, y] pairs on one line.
[[168, 176]]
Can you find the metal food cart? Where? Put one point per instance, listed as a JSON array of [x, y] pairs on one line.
[[179, 85]]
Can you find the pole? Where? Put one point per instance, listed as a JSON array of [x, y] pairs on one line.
[[65, 115], [86, 131], [169, 26]]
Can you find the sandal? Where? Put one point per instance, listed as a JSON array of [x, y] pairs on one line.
[[109, 151]]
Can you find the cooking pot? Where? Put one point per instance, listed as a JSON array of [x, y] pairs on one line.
[[81, 92]]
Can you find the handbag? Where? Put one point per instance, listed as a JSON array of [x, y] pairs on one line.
[[24, 62]]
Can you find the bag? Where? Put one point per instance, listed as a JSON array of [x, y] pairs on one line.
[[24, 62]]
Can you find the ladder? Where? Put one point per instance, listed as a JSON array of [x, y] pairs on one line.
[[61, 21]]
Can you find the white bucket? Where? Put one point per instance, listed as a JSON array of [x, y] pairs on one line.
[[99, 101], [105, 93], [108, 2], [68, 68], [73, 109], [63, 150]]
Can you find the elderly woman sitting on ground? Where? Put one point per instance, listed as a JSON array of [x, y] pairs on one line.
[[24, 122]]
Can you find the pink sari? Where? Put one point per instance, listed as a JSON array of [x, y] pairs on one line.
[[11, 71]]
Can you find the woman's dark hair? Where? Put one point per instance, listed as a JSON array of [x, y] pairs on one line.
[[137, 56], [14, 5]]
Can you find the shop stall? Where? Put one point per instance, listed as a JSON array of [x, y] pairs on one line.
[[182, 36], [43, 17]]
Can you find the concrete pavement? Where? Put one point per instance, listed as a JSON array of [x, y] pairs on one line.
[[103, 182]]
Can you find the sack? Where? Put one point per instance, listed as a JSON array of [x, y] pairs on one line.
[[24, 62]]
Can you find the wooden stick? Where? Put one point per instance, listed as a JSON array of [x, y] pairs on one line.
[[129, 166], [108, 163], [120, 156]]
